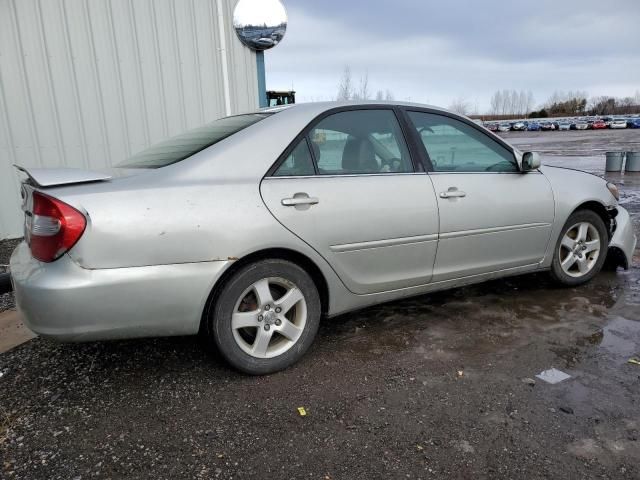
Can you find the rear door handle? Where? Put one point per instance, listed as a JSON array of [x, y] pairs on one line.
[[292, 202], [452, 194]]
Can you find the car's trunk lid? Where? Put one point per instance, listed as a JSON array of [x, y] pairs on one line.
[[57, 184], [50, 177]]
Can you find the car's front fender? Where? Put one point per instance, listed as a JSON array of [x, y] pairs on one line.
[[573, 188]]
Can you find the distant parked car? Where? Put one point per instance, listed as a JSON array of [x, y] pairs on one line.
[[547, 126], [564, 126], [633, 122], [504, 127], [533, 127], [519, 127], [582, 125], [598, 124], [607, 121], [265, 42], [492, 127], [618, 123]]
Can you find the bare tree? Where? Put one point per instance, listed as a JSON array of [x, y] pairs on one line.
[[345, 88], [460, 106], [603, 105], [363, 93], [506, 101], [384, 95], [530, 102], [558, 98], [522, 103], [511, 102], [496, 103]]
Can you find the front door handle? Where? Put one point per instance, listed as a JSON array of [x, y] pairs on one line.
[[453, 193]]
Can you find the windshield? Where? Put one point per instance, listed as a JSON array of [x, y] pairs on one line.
[[182, 146]]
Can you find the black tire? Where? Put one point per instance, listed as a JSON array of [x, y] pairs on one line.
[[557, 272], [219, 329]]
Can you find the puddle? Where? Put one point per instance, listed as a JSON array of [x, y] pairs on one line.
[[490, 319], [621, 339]]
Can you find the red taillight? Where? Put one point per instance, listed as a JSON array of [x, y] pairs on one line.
[[54, 227]]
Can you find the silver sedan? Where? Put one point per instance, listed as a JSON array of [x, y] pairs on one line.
[[252, 228]]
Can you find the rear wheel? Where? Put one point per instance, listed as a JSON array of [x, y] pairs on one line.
[[581, 249], [265, 317]]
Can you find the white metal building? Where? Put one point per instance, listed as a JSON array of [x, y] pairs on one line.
[[86, 83]]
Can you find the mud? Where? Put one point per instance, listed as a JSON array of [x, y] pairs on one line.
[[439, 386]]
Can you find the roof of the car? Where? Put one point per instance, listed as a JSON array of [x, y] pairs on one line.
[[319, 107]]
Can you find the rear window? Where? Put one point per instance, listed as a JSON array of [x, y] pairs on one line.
[[182, 146]]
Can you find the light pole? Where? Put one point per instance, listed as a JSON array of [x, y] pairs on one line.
[[262, 80]]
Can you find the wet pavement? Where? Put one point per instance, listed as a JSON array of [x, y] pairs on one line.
[[439, 386]]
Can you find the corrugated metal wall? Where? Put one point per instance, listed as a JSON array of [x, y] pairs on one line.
[[86, 83]]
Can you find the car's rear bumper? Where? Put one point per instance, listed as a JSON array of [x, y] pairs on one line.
[[67, 302], [624, 239]]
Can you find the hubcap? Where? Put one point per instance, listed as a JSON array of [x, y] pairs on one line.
[[579, 249], [269, 317]]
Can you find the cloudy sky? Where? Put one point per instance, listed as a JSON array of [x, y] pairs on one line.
[[433, 52]]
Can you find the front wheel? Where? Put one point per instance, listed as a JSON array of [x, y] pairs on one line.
[[265, 317], [581, 249]]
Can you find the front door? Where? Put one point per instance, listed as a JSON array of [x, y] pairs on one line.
[[492, 216], [349, 189]]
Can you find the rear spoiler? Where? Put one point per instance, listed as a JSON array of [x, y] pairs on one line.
[[49, 177]]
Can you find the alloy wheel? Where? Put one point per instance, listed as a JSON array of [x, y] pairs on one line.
[[269, 317], [579, 249]]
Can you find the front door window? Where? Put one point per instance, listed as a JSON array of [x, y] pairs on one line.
[[454, 146]]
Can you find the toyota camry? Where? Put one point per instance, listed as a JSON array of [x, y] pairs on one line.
[[251, 229]]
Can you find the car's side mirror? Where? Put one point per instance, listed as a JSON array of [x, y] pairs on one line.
[[530, 161]]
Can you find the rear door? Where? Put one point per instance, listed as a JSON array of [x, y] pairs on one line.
[[492, 216], [348, 187]]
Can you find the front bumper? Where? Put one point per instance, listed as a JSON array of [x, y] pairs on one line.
[[64, 301], [623, 242]]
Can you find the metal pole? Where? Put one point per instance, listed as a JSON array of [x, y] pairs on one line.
[[262, 82], [223, 55]]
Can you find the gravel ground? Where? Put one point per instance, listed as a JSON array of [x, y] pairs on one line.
[[439, 386]]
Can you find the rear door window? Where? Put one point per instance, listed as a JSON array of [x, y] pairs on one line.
[[298, 163], [360, 142]]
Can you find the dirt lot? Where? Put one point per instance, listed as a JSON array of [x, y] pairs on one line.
[[440, 386]]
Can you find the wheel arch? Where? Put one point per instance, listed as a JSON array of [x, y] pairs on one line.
[[599, 209], [293, 256]]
